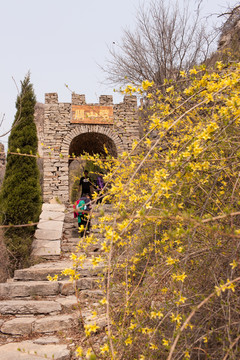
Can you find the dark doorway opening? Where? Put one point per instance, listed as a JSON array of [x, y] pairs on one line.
[[92, 143]]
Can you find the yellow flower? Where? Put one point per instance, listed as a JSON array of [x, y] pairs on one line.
[[79, 351], [104, 348], [170, 89], [96, 260], [155, 314], [103, 301], [89, 328], [132, 326], [147, 330], [89, 353], [165, 342], [179, 277], [181, 300], [94, 314], [233, 264], [128, 341], [146, 84], [73, 256], [183, 74], [164, 290], [171, 261], [176, 318], [54, 278], [232, 287], [219, 65], [193, 71]]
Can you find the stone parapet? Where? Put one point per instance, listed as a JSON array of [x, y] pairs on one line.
[[78, 99], [51, 98], [106, 100]]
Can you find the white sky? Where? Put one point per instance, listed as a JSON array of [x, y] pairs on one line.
[[63, 41]]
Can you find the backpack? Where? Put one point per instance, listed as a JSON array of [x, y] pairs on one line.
[[81, 206], [75, 214]]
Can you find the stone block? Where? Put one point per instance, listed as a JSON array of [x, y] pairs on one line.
[[54, 323], [27, 350], [52, 215], [53, 207], [51, 225], [48, 234], [29, 288], [67, 288], [46, 340], [39, 272], [12, 307], [68, 302], [46, 248], [18, 326]]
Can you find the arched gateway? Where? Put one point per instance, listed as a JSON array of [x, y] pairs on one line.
[[72, 128]]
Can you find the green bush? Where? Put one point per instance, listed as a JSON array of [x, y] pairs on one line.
[[21, 194]]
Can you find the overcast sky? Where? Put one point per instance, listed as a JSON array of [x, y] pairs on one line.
[[62, 42]]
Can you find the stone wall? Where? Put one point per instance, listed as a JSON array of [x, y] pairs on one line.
[[39, 121], [58, 133], [2, 163], [2, 155]]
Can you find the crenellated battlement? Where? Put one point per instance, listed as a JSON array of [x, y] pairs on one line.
[[80, 99]]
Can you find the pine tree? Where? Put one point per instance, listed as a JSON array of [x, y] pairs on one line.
[[21, 194]]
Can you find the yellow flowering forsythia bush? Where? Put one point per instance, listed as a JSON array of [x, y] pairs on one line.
[[172, 242]]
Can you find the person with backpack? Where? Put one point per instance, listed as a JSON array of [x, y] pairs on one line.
[[100, 185], [82, 209]]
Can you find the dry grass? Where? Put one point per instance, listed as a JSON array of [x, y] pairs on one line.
[[4, 259]]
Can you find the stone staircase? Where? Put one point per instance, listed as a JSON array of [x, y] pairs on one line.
[[39, 318]]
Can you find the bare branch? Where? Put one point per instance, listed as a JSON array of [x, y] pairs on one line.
[[166, 40]]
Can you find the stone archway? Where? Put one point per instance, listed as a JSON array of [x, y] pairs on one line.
[[111, 138], [91, 139], [92, 143]]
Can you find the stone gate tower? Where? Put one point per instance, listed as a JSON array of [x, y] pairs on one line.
[[77, 127]]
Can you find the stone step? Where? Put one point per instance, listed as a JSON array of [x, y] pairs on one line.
[[52, 215], [71, 244], [22, 316], [53, 207], [29, 307], [46, 249], [26, 289], [21, 289], [23, 326], [34, 349], [68, 288], [40, 271]]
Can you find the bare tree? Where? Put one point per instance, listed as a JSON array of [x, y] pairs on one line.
[[167, 39]]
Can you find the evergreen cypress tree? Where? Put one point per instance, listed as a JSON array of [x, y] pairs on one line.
[[21, 194]]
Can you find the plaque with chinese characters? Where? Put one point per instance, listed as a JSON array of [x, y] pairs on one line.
[[92, 114]]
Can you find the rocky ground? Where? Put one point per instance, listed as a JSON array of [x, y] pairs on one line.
[[40, 318]]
